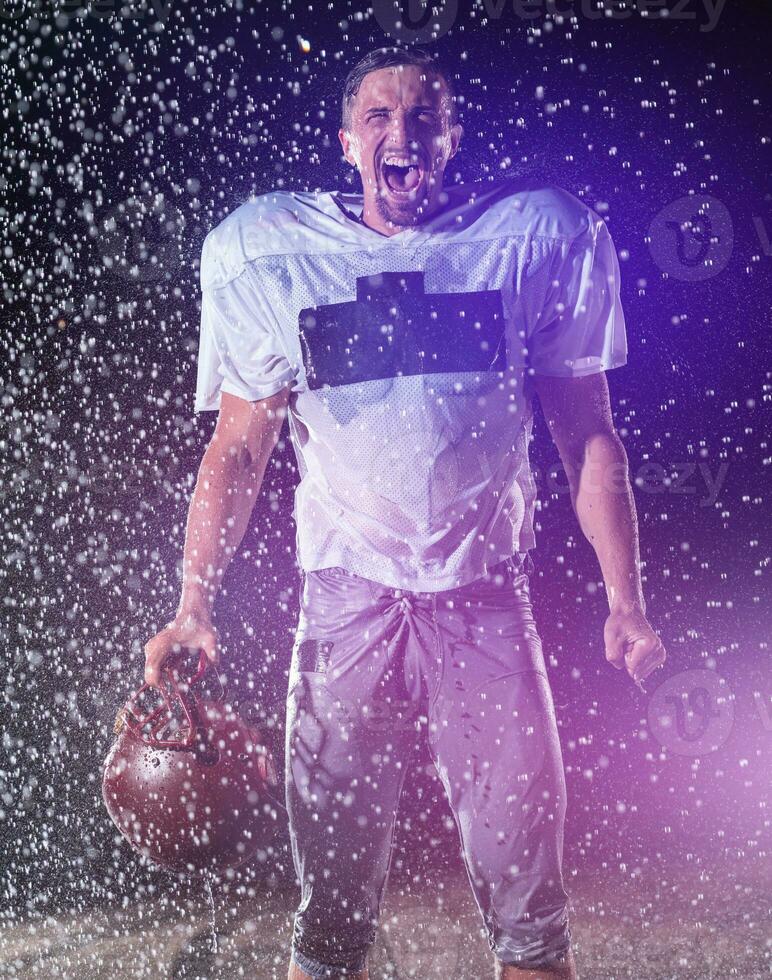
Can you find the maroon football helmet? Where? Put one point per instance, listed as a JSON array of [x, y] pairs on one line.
[[187, 780]]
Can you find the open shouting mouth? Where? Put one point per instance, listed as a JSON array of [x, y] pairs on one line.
[[401, 175]]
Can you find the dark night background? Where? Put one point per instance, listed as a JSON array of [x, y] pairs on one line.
[[127, 135]]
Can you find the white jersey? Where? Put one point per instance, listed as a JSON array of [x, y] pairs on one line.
[[407, 358]]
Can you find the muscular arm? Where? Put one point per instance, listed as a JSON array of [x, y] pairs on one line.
[[578, 414], [229, 480], [228, 483]]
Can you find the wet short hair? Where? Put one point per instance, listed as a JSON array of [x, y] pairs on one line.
[[387, 58]]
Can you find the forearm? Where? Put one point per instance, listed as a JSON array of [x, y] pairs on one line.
[[605, 508], [218, 516]]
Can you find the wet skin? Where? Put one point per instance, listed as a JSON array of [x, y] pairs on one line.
[[403, 112]]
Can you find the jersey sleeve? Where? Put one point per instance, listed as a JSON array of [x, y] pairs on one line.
[[581, 328], [239, 350]]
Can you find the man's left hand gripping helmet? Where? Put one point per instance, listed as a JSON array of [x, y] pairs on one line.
[[187, 781]]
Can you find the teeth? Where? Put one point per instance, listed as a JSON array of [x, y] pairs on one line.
[[400, 162]]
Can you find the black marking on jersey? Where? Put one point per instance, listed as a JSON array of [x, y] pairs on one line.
[[395, 329], [314, 655]]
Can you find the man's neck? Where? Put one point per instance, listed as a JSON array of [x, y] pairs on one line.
[[371, 218]]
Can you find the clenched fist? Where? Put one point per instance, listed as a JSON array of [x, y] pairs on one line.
[[631, 642]]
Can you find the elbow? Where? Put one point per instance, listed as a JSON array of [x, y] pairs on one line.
[[607, 466], [595, 463], [226, 460], [608, 443], [605, 455]]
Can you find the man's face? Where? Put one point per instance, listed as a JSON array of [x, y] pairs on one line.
[[400, 140]]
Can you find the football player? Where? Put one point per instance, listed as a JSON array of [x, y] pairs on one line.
[[403, 332]]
